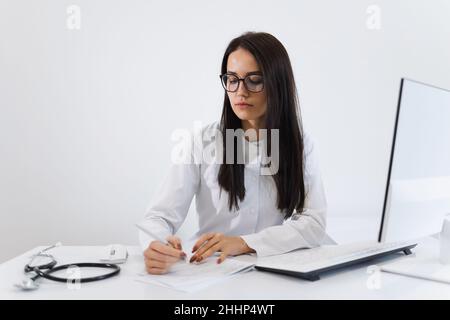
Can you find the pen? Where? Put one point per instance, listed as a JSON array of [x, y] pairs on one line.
[[183, 254]]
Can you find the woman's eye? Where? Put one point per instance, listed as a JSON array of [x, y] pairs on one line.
[[255, 81]]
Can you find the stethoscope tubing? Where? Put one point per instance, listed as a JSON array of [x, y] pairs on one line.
[[50, 267]]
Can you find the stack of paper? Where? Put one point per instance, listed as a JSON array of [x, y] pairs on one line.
[[422, 268], [190, 277]]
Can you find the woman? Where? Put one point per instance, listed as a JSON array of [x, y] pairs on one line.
[[239, 209]]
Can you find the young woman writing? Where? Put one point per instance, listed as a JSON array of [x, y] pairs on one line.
[[239, 209]]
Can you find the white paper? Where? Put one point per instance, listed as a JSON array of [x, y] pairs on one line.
[[190, 277], [427, 268]]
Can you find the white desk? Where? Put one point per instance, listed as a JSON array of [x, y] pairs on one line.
[[350, 283]]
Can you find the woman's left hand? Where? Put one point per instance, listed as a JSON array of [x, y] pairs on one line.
[[209, 243]]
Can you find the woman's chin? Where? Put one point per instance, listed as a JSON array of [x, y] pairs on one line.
[[245, 115]]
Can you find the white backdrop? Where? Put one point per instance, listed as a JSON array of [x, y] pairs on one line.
[[86, 114]]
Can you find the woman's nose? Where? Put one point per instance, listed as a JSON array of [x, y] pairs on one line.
[[242, 90]]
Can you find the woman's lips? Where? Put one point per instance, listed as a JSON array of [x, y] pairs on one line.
[[243, 105]]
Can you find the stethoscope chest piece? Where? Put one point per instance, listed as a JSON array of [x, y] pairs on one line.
[[27, 284]]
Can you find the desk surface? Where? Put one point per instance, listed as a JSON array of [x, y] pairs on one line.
[[349, 283]]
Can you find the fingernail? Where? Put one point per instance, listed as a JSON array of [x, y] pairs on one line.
[[192, 259]]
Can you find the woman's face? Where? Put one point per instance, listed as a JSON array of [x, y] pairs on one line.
[[247, 105]]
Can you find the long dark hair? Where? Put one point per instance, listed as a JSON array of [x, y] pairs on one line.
[[282, 113]]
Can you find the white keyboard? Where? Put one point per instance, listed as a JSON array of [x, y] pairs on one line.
[[310, 260]]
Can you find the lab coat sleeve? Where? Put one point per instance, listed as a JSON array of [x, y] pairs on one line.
[[170, 205], [301, 230]]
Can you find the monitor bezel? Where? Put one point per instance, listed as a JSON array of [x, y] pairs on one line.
[[391, 160]]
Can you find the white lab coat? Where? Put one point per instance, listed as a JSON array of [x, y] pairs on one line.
[[258, 221]]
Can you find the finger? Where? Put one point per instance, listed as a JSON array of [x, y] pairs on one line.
[[174, 242], [209, 252], [208, 245], [156, 270], [157, 264], [222, 257], [153, 264], [202, 239], [155, 255], [166, 249]]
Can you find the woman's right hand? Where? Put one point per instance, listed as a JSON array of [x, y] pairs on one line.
[[159, 257]]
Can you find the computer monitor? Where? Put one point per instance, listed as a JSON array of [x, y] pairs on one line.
[[418, 185]]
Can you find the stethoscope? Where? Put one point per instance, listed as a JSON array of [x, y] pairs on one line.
[[46, 270]]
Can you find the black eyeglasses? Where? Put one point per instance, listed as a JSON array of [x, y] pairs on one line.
[[252, 82]]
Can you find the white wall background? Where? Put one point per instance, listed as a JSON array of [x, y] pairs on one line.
[[86, 115]]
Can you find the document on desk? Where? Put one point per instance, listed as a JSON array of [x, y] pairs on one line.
[[191, 277], [427, 268]]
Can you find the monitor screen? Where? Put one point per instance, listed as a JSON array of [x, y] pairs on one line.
[[418, 186]]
